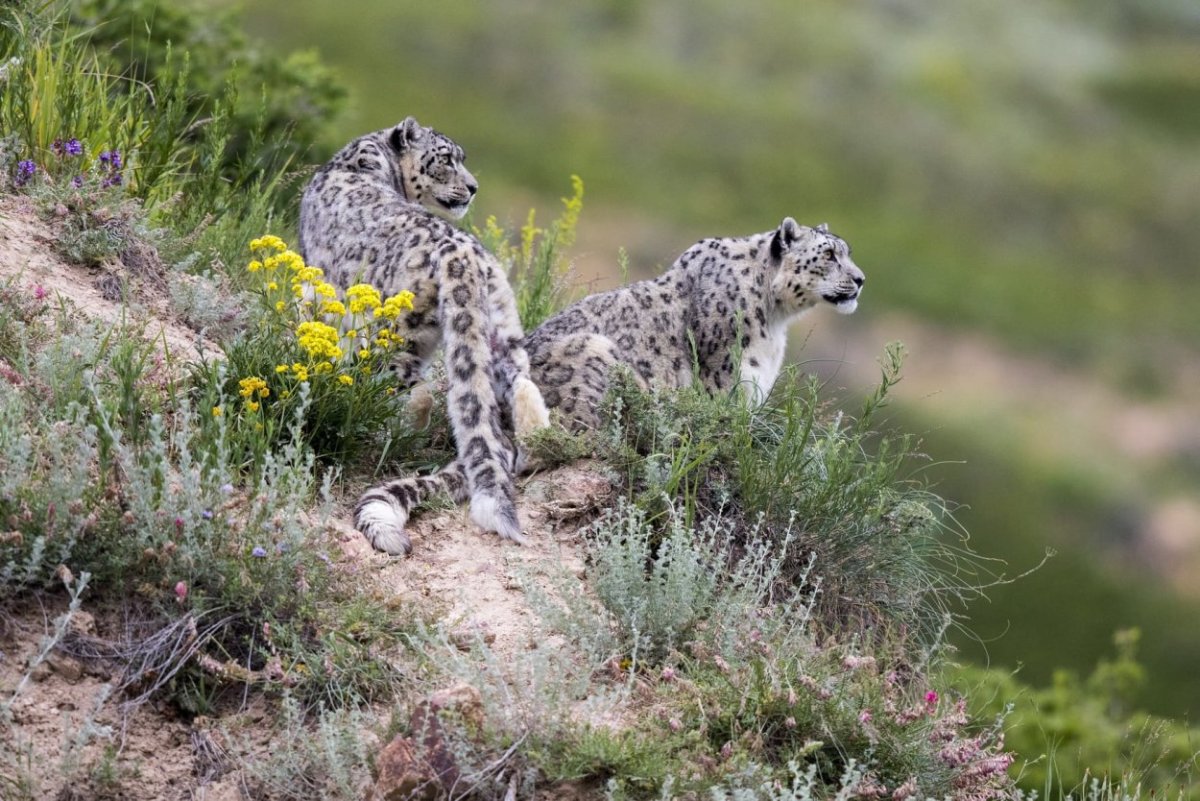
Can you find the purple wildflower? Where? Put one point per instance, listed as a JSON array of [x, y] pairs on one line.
[[71, 147], [259, 552], [226, 489], [112, 180], [25, 171], [77, 182], [207, 514], [111, 158]]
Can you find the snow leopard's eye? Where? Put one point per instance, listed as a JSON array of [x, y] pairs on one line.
[[830, 253]]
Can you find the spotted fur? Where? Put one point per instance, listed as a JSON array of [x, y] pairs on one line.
[[720, 313], [722, 297], [367, 216]]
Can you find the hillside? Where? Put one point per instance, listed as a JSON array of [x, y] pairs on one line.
[[1022, 178], [718, 601]]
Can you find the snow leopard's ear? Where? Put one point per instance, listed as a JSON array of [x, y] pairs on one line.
[[823, 228], [787, 233], [405, 134]]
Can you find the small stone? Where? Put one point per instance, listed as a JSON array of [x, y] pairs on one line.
[[224, 789], [403, 775], [41, 672], [462, 700], [83, 623], [69, 668], [464, 637]]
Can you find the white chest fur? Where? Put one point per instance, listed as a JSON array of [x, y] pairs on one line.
[[761, 362]]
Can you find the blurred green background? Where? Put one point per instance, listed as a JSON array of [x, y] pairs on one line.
[[1020, 181]]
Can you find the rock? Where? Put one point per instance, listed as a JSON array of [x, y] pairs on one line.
[[41, 671], [462, 700], [404, 775], [82, 623], [224, 789], [68, 667], [423, 766], [464, 637]]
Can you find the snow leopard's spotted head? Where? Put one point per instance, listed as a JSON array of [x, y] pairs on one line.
[[431, 169], [814, 265]]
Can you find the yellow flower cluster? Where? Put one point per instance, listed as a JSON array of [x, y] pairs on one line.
[[319, 340], [268, 242], [400, 302], [363, 297], [249, 387], [341, 337]]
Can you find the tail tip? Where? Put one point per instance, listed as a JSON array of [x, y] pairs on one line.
[[383, 526]]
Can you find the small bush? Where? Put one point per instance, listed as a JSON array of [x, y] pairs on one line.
[[1085, 737], [538, 266], [815, 482], [309, 346]]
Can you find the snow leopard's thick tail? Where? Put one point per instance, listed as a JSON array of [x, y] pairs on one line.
[[383, 511], [486, 453]]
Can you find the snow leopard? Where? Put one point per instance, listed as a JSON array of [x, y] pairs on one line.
[[720, 313], [372, 214]]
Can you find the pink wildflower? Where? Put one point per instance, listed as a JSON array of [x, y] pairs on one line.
[[39, 292], [931, 698], [865, 717], [181, 591], [668, 673]]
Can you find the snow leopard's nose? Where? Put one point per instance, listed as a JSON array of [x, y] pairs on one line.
[[472, 188]]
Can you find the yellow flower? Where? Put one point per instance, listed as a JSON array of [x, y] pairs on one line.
[[325, 290], [268, 242], [402, 301], [248, 386], [345, 379], [254, 266], [352, 333], [363, 297], [319, 340], [279, 305], [217, 411], [272, 285], [365, 353], [252, 406], [324, 367], [285, 393], [391, 390], [282, 368], [333, 307], [264, 392], [301, 372]]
